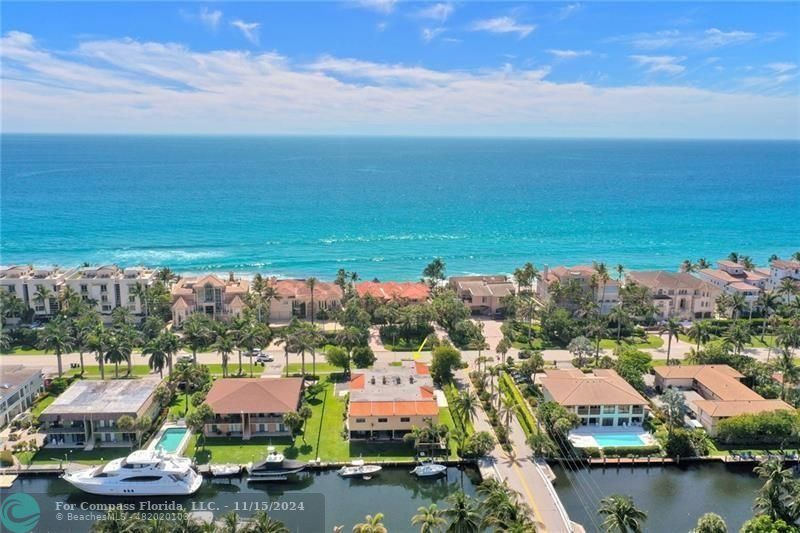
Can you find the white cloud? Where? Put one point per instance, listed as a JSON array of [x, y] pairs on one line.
[[381, 6], [569, 10], [663, 64], [248, 29], [210, 18], [128, 86], [569, 54], [504, 25], [429, 34], [781, 68], [381, 26], [439, 12], [706, 40]]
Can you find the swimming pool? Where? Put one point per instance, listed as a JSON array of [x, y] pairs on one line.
[[171, 439], [610, 440]]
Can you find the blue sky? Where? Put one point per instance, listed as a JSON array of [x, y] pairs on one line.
[[381, 67]]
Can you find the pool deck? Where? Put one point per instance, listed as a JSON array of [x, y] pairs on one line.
[[160, 433], [584, 437]]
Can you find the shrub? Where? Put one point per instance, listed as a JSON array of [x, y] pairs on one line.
[[6, 458], [363, 357], [627, 451], [592, 452], [446, 359], [763, 428]]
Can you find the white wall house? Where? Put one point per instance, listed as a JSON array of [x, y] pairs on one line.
[[19, 386], [733, 278], [780, 270], [110, 286], [27, 283]]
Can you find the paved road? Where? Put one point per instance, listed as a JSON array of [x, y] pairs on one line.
[[523, 475]]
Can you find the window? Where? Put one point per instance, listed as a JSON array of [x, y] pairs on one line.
[[84, 288], [383, 420], [141, 479], [131, 299], [106, 308], [405, 419], [103, 288], [12, 289], [360, 420], [104, 298]]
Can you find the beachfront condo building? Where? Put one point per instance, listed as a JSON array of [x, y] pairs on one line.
[[567, 286], [37, 288], [599, 398], [714, 393], [87, 412], [252, 407], [484, 295], [294, 299], [677, 294], [108, 287], [780, 269], [734, 278], [406, 292], [19, 388], [210, 295], [387, 403]]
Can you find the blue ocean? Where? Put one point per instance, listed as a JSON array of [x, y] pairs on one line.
[[383, 207]]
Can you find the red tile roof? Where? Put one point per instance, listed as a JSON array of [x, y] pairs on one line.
[[394, 408], [392, 290], [421, 369], [254, 395]]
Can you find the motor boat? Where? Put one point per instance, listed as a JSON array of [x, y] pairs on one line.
[[224, 470], [358, 468], [142, 473], [274, 467], [429, 470]]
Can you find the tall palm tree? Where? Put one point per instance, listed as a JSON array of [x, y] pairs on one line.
[[502, 508], [621, 514], [526, 277], [171, 343], [82, 328], [69, 300], [767, 303], [738, 303], [263, 523], [700, 332], [166, 276], [158, 357], [777, 489], [508, 408], [619, 315], [603, 277], [371, 524], [141, 291], [230, 523], [225, 344], [97, 343], [117, 351], [737, 336], [790, 372], [56, 336], [42, 295], [196, 333], [311, 283], [429, 519], [463, 515], [787, 288], [671, 329], [240, 327], [688, 266], [467, 406]]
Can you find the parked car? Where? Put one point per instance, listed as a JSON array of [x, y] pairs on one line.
[[185, 359], [253, 353], [264, 358]]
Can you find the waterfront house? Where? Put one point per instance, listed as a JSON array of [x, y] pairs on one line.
[[780, 269], [599, 398], [249, 407], [733, 278], [38, 288], [714, 392], [87, 412], [677, 294], [294, 299], [19, 387], [407, 292], [109, 286], [564, 284], [220, 300], [387, 403], [484, 295]]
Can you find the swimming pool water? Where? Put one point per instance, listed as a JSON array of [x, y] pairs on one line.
[[171, 439], [619, 439]]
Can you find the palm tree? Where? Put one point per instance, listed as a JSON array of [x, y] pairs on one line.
[[737, 336], [502, 348], [790, 372], [619, 315], [671, 329], [508, 408], [787, 288], [429, 519], [674, 408], [225, 344], [688, 266], [311, 283], [230, 523], [700, 332], [738, 303], [82, 328], [621, 514], [240, 327], [141, 291], [502, 508], [263, 523], [158, 357], [603, 276], [171, 343], [710, 523], [371, 524], [526, 277], [56, 336], [196, 333], [42, 295], [116, 351], [777, 489], [768, 302], [463, 515], [166, 276], [97, 343], [467, 406]]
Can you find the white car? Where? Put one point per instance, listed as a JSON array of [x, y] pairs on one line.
[[264, 358]]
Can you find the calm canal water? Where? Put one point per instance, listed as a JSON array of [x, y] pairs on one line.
[[674, 497], [314, 502]]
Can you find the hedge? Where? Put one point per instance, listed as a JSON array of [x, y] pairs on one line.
[[524, 415], [637, 451]]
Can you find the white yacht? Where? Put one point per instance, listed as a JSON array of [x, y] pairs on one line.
[[142, 473], [429, 470], [358, 468]]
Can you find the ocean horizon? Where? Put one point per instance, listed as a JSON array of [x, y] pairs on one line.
[[385, 206]]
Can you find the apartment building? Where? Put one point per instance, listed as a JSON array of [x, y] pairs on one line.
[[780, 269], [220, 300], [38, 288], [110, 286], [677, 294], [19, 387], [733, 278], [294, 298]]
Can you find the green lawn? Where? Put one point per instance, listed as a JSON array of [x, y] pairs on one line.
[[18, 350], [178, 406], [323, 367], [323, 439], [93, 371], [42, 404], [653, 341], [77, 455]]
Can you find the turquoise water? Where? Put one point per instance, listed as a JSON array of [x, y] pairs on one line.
[[618, 439], [171, 439], [383, 207]]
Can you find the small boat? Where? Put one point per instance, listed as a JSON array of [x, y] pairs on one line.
[[358, 468], [225, 470], [274, 468], [429, 470]]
